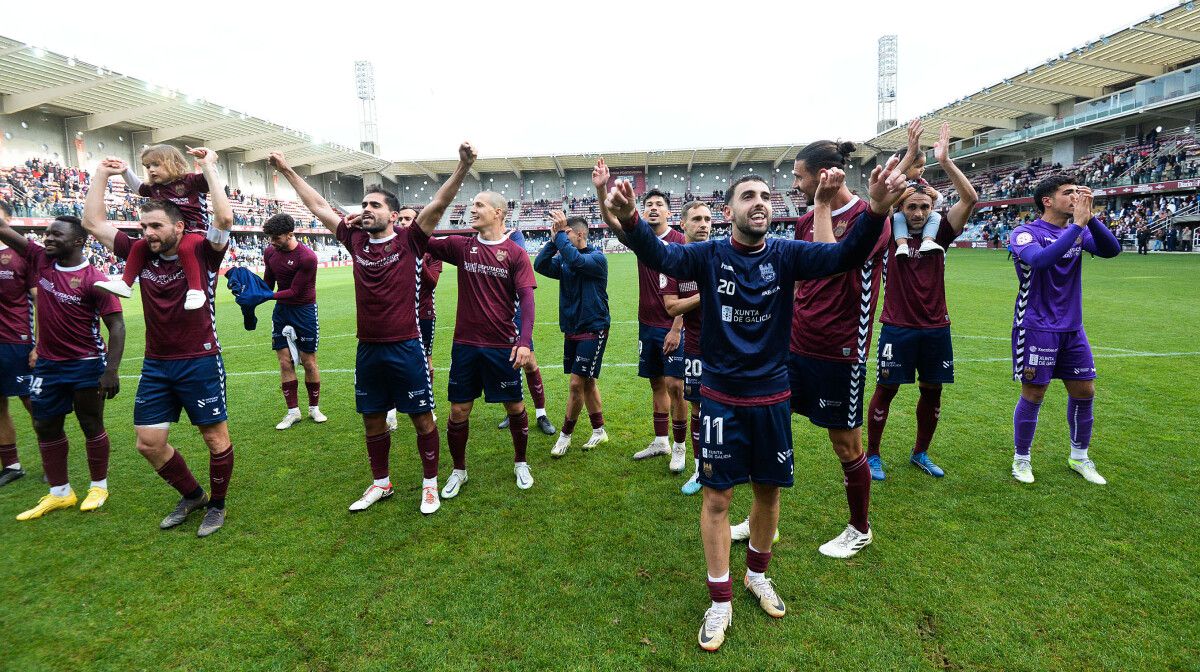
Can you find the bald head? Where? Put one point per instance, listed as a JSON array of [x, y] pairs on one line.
[[488, 210], [495, 200]]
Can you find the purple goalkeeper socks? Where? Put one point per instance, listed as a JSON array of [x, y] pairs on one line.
[[1025, 419], [1079, 422]]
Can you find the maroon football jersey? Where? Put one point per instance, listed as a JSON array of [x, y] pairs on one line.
[[16, 301], [834, 316], [69, 308], [431, 271], [189, 193], [916, 286], [489, 275], [171, 331], [295, 273], [651, 311], [385, 281], [691, 320]]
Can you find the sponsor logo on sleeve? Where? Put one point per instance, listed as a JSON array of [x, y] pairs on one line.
[[1024, 238]]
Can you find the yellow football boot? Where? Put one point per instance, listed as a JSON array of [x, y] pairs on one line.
[[95, 499], [47, 504]]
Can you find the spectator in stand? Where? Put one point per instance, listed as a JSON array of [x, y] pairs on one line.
[[1186, 239]]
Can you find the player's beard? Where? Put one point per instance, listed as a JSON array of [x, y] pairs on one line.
[[166, 245], [746, 228]]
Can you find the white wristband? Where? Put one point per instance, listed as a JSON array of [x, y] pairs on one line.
[[217, 236]]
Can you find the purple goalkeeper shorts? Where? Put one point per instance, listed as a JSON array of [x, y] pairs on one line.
[[1039, 356]]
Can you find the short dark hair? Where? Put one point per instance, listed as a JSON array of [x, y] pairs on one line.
[[168, 208], [389, 198], [75, 223], [279, 224], [1048, 187], [688, 207], [742, 180], [6, 207], [824, 154], [655, 192], [577, 222]]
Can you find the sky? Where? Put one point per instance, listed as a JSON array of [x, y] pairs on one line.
[[523, 78]]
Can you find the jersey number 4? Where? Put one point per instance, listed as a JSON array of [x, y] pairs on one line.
[[887, 351]]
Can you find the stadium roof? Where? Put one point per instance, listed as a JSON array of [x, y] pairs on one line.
[[1164, 42], [92, 97]]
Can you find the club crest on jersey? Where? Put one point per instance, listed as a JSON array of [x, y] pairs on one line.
[[180, 189], [767, 271], [75, 283], [501, 255], [839, 229], [662, 281], [6, 258]]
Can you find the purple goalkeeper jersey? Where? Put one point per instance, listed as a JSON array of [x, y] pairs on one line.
[[1049, 298]]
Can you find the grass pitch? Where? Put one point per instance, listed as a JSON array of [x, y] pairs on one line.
[[599, 566]]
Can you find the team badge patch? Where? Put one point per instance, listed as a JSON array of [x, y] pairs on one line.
[[501, 255], [75, 283], [180, 189], [662, 281], [708, 469], [839, 229], [6, 258], [1024, 238], [767, 271], [1030, 372]]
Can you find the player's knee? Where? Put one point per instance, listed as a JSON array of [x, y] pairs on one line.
[[91, 425], [716, 502], [48, 429], [578, 385], [423, 423], [460, 412], [675, 388], [1033, 393]]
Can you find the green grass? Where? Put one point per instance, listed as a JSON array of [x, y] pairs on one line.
[[599, 566]]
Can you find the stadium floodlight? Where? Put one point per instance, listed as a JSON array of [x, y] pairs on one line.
[[364, 84]]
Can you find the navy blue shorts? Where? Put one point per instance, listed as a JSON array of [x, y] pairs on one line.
[[475, 370], [14, 369], [392, 375], [905, 353], [427, 329], [53, 384], [168, 386], [585, 357], [652, 363], [693, 367], [745, 443], [301, 318], [828, 393]]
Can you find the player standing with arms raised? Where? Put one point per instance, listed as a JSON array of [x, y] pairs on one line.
[[915, 337], [1048, 339], [659, 355], [182, 369], [390, 369], [582, 273], [744, 285], [74, 371], [292, 266]]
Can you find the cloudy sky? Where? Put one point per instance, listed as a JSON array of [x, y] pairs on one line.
[[528, 77]]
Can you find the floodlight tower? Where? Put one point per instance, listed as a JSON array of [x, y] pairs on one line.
[[364, 81], [886, 118]]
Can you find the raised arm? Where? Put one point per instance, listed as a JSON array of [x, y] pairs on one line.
[[95, 217], [585, 264], [678, 261], [8, 236], [128, 174], [967, 196], [830, 183], [600, 176], [676, 306], [547, 262], [222, 210], [315, 202], [431, 214], [915, 129]]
